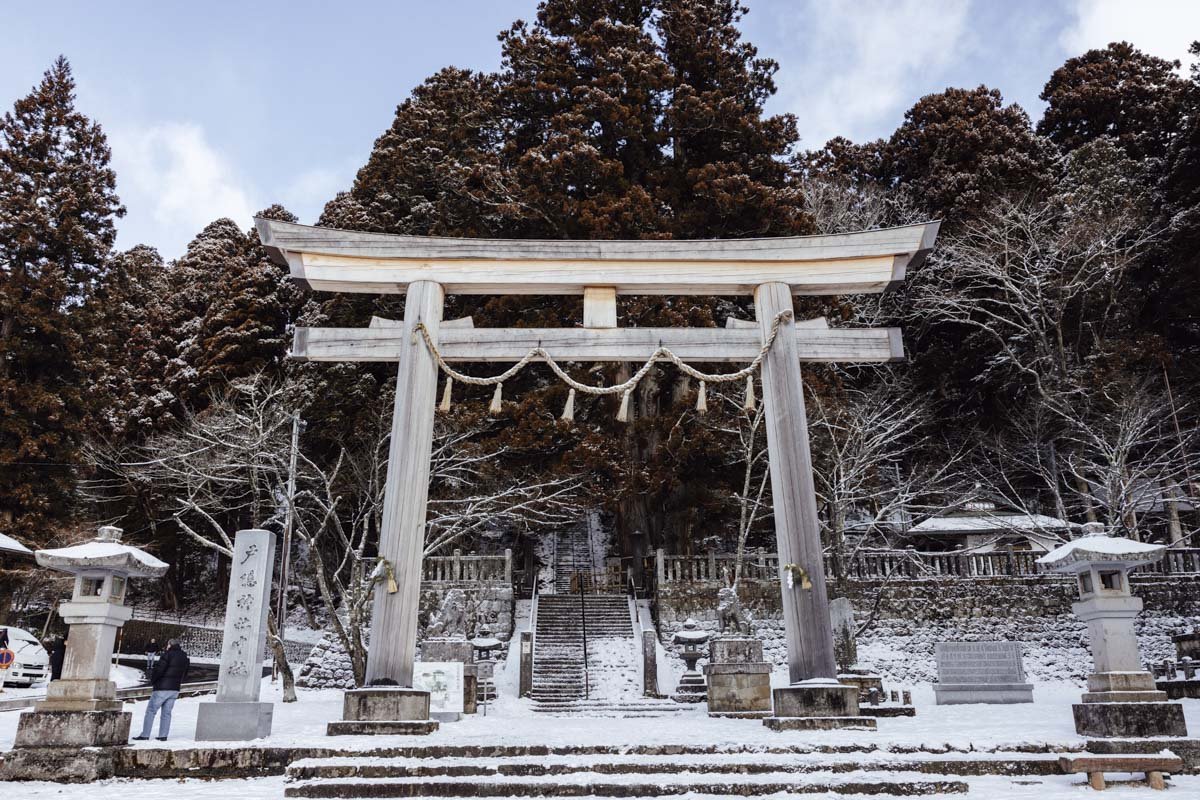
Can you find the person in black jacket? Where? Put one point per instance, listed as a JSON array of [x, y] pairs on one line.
[[169, 673], [58, 654]]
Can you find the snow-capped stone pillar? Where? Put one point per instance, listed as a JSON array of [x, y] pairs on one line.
[[81, 710], [1122, 698]]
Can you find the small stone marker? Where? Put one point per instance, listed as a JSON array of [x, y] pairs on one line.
[[980, 672], [444, 682], [845, 648], [237, 714]]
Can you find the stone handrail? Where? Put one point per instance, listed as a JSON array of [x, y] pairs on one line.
[[879, 564], [472, 568]]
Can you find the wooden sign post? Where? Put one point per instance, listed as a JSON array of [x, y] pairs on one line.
[[772, 270]]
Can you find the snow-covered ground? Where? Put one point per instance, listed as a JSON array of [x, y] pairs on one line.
[[511, 721]]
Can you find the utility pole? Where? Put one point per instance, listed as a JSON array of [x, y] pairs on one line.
[[285, 560]]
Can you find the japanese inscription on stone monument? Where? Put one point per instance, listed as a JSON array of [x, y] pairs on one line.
[[246, 617]]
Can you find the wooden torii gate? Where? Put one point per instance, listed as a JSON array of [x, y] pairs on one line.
[[425, 269]]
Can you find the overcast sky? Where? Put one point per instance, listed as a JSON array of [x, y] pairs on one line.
[[220, 108]]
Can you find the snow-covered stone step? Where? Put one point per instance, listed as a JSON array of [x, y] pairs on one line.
[[591, 784], [714, 764]]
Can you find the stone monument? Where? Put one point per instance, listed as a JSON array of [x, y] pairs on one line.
[[739, 680], [980, 672], [691, 688], [237, 714], [64, 736], [845, 650], [845, 647], [1121, 700]]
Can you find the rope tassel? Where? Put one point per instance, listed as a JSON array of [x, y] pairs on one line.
[[702, 399], [445, 405], [749, 405], [623, 412], [569, 408], [497, 399]]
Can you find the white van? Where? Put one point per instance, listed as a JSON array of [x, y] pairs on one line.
[[31, 662]]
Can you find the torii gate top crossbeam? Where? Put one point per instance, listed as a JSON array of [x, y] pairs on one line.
[[332, 260]]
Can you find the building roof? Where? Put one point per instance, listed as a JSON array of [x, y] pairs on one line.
[[11, 545], [989, 522]]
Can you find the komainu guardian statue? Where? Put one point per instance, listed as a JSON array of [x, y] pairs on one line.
[[450, 620], [730, 614]]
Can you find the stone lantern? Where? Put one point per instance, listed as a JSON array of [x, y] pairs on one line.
[[81, 709], [691, 687], [1121, 700]]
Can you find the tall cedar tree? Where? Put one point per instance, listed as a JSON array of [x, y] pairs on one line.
[[1118, 91], [1175, 286], [57, 207], [960, 150], [119, 314]]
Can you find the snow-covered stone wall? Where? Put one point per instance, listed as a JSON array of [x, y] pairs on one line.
[[909, 616]]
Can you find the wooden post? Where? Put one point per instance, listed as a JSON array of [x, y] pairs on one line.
[[526, 654], [402, 536], [797, 528], [599, 307], [507, 566], [457, 571], [660, 567]]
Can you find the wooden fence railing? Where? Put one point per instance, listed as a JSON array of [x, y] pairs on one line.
[[877, 564], [473, 568]]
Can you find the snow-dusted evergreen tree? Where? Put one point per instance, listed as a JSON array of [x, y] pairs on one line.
[[57, 208], [119, 314]]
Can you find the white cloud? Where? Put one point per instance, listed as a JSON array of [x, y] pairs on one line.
[[849, 65], [1163, 28], [173, 182]]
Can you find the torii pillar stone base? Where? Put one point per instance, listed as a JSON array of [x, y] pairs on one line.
[[384, 710]]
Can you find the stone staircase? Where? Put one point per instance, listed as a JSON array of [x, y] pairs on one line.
[[612, 683], [574, 559], [649, 771]]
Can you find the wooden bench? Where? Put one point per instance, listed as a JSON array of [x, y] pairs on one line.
[[1154, 765]]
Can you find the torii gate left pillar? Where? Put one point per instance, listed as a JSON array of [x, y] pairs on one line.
[[406, 493]]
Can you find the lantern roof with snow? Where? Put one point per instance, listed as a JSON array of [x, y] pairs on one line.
[[11, 545], [105, 553], [1079, 555]]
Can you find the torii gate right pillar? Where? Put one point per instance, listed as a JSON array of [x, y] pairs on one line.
[[815, 699]]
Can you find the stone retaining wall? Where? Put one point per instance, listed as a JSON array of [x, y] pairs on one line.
[[328, 664], [912, 614]]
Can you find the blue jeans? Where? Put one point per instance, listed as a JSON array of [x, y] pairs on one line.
[[166, 701]]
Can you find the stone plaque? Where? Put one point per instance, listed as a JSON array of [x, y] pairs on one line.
[[444, 682], [979, 662], [240, 678]]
